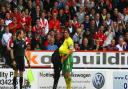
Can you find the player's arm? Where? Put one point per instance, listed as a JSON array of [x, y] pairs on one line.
[[70, 51]]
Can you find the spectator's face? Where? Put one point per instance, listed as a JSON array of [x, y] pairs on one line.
[[1, 21], [101, 29], [7, 15], [37, 8], [124, 10], [43, 15], [121, 41], [26, 11], [21, 35], [104, 11], [93, 11], [3, 9], [30, 3], [126, 35], [23, 14], [58, 36], [38, 22], [76, 46], [97, 16], [15, 10], [61, 12], [87, 18], [93, 23], [85, 41], [14, 20], [113, 42], [108, 16], [52, 40], [115, 11], [81, 8], [114, 24], [55, 16], [20, 2]]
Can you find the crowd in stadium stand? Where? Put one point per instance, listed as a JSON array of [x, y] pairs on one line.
[[93, 24]]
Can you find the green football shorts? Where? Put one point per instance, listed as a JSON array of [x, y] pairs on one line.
[[67, 64]]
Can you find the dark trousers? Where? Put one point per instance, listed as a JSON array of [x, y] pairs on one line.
[[6, 55], [57, 69]]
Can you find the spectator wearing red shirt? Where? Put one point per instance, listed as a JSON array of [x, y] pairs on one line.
[[99, 35], [54, 23], [44, 23], [14, 25], [37, 28], [17, 15], [25, 20]]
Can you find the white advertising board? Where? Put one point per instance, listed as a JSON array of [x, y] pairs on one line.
[[82, 59], [43, 79]]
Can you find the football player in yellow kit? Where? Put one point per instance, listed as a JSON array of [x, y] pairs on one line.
[[66, 51]]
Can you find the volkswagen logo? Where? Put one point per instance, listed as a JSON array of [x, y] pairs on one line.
[[98, 81]]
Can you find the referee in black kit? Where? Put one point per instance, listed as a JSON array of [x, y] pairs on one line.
[[57, 65], [17, 54]]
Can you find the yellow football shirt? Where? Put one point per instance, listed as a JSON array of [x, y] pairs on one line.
[[68, 44]]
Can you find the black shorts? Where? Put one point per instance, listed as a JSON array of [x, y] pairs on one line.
[[20, 64]]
